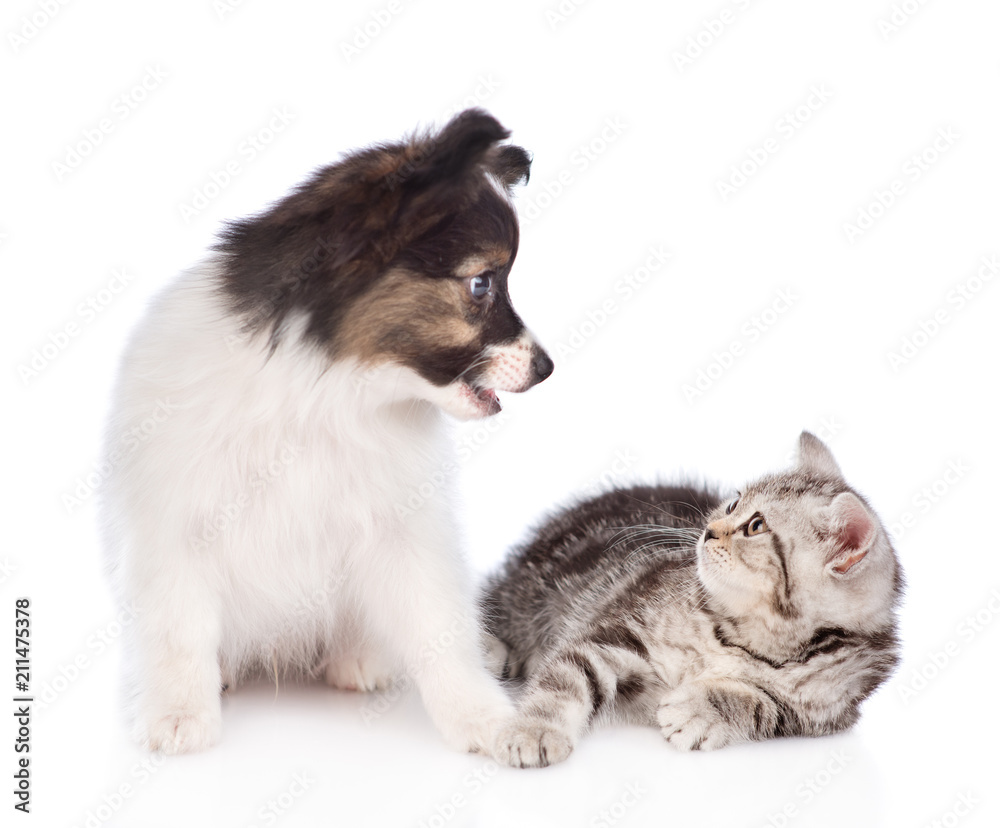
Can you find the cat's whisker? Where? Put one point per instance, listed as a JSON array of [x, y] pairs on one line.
[[657, 529], [669, 515]]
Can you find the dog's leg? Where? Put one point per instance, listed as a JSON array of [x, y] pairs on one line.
[[422, 601], [179, 680], [362, 671], [355, 662]]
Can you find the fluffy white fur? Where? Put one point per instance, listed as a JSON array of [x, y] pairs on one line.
[[259, 523]]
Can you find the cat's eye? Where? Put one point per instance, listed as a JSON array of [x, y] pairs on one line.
[[479, 286], [757, 526], [732, 506]]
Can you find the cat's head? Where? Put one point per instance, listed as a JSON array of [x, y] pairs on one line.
[[803, 549]]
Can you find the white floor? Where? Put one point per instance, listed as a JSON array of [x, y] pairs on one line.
[[311, 756], [744, 219]]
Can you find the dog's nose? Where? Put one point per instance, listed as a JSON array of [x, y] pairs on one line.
[[541, 365]]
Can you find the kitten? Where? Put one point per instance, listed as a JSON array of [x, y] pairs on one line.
[[770, 615]]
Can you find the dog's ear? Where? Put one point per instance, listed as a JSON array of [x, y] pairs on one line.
[[512, 165], [448, 158], [441, 177]]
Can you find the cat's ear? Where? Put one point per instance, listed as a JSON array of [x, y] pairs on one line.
[[815, 457], [853, 529]]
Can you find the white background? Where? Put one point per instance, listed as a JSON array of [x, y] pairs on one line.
[[917, 436]]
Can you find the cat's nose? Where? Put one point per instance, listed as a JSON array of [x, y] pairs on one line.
[[715, 530]]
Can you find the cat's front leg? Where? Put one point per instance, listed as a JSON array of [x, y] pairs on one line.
[[534, 742], [560, 700], [705, 715]]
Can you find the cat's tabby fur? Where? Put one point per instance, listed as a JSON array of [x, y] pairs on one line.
[[719, 621]]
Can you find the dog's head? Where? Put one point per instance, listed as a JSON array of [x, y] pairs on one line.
[[399, 255]]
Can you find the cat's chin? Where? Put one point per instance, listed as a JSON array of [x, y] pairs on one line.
[[723, 595]]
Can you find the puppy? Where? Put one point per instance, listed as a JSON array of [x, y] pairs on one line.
[[277, 411]]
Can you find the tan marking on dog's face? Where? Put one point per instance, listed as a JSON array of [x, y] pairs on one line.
[[492, 259], [405, 317]]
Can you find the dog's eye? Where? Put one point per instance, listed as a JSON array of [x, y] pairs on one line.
[[479, 286], [757, 526]]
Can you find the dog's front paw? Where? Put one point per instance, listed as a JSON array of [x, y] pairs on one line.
[[471, 728], [529, 743], [182, 731], [688, 722], [476, 731], [362, 673]]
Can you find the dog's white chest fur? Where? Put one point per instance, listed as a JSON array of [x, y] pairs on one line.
[[277, 411], [274, 536]]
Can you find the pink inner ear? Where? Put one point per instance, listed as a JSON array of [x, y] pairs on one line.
[[849, 561], [855, 531], [855, 534]]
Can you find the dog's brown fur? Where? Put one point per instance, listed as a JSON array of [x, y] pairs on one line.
[[375, 248]]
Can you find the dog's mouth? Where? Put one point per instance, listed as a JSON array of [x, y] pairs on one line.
[[484, 400]]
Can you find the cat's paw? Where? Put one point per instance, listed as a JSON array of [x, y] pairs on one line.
[[688, 722], [182, 731], [364, 674], [531, 744]]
